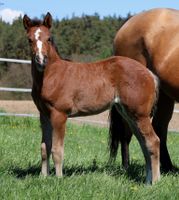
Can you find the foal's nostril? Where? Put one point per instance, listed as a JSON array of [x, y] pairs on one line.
[[37, 59], [45, 60], [41, 61]]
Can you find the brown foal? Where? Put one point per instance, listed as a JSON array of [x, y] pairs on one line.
[[63, 89]]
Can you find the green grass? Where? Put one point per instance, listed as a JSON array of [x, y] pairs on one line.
[[86, 173]]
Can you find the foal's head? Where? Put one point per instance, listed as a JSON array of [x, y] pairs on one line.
[[38, 34]]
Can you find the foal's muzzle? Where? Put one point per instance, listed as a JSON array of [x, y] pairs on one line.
[[41, 63]]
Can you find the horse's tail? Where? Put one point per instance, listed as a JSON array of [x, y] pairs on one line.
[[115, 129]]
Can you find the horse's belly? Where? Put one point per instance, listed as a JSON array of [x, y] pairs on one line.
[[168, 74], [86, 111], [84, 108], [172, 91], [92, 103]]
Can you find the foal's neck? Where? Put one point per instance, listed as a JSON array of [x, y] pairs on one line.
[[53, 55]]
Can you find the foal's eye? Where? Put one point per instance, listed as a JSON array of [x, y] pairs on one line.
[[30, 41], [49, 39]]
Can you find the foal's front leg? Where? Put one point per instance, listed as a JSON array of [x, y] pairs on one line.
[[58, 120], [46, 144], [150, 145]]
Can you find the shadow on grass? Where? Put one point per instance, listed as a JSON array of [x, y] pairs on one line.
[[174, 171], [22, 173], [135, 172]]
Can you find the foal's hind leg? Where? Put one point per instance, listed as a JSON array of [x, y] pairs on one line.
[[150, 146], [160, 123], [125, 140], [58, 122], [46, 143]]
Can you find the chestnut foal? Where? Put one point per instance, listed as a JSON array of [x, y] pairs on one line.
[[63, 89]]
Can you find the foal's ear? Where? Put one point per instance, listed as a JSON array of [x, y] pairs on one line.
[[48, 20], [27, 22]]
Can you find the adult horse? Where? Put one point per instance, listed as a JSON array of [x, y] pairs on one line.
[[63, 89], [151, 38]]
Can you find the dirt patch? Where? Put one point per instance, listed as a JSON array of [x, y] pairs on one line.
[[101, 119], [18, 107]]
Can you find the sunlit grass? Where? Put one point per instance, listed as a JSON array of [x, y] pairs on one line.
[[86, 172]]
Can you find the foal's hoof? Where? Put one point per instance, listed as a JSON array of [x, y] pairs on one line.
[[59, 175], [152, 182], [44, 174]]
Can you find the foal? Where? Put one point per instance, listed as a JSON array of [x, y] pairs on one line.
[[63, 89]]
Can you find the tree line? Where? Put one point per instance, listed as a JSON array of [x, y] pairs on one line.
[[85, 38]]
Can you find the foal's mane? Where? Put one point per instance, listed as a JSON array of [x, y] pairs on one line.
[[54, 45]]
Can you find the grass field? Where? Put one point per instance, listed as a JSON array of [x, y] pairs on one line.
[[86, 173]]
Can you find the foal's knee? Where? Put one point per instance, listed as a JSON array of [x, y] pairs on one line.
[[43, 151], [151, 139], [57, 154], [154, 145]]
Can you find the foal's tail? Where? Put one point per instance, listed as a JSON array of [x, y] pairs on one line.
[[116, 131], [157, 85]]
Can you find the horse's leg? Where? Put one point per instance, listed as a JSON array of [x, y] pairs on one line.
[[150, 145], [125, 140], [160, 123], [58, 122], [119, 132], [46, 143]]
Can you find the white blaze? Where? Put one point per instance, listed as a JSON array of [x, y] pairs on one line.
[[39, 44], [117, 99]]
